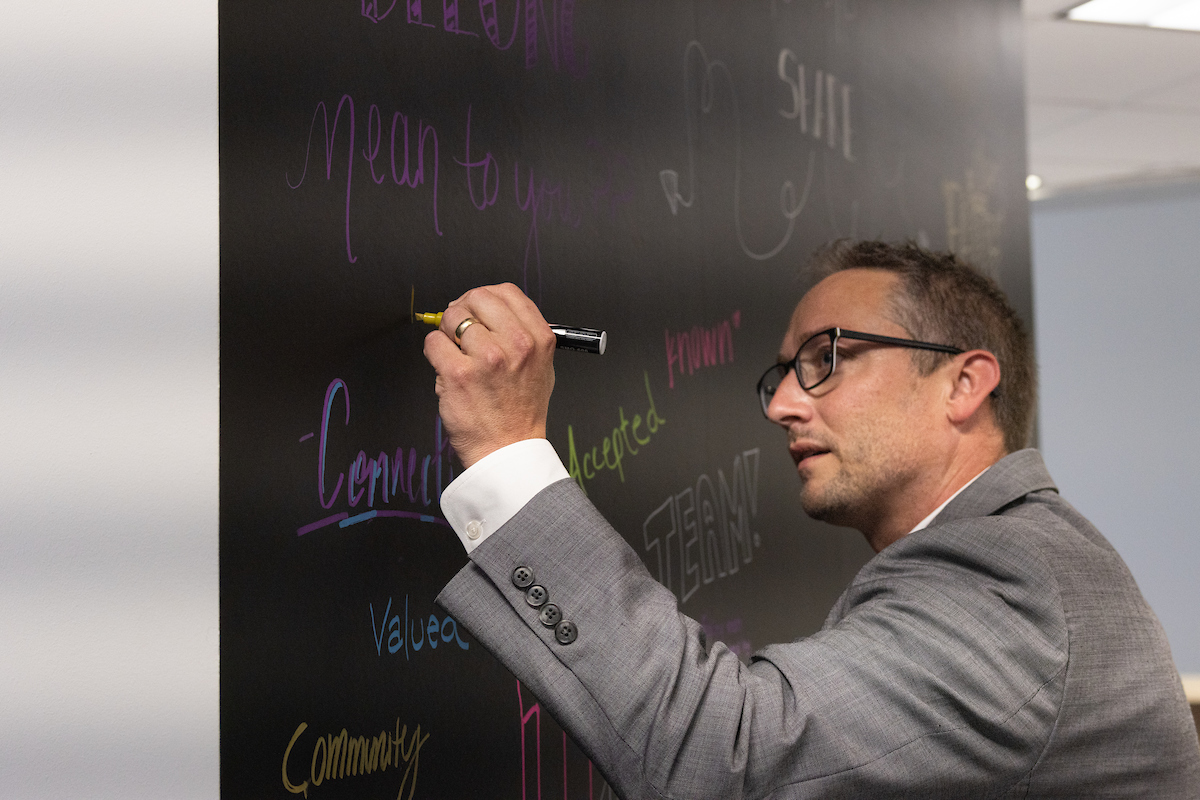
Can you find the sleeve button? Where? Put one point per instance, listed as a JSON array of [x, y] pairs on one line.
[[536, 595], [550, 616], [474, 529], [522, 577], [566, 632]]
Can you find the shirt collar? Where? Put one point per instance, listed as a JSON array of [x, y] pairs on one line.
[[925, 522]]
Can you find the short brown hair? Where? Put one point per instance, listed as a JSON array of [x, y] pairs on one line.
[[945, 300]]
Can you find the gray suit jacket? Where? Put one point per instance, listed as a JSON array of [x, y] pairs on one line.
[[1004, 651]]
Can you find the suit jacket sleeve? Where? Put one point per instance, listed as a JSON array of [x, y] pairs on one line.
[[926, 684]]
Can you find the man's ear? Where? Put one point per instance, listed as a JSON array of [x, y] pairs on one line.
[[975, 374]]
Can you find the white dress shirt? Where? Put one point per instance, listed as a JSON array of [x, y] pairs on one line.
[[925, 522], [492, 490]]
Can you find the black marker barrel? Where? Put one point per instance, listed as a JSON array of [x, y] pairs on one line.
[[588, 340]]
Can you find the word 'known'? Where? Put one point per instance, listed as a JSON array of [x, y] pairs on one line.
[[700, 347]]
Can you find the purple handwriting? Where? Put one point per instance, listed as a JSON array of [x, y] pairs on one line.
[[377, 481], [546, 199], [729, 632], [556, 26], [700, 347], [403, 169], [408, 154]]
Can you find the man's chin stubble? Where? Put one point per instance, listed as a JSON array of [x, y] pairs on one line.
[[833, 510]]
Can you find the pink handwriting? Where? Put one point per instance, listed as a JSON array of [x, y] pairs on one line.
[[700, 347], [411, 174], [534, 713]]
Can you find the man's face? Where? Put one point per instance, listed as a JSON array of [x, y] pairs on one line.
[[863, 437]]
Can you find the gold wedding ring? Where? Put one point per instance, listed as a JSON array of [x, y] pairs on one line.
[[461, 329]]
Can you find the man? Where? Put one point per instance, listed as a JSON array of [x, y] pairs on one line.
[[996, 645]]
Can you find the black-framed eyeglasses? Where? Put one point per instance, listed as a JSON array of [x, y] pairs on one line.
[[816, 360]]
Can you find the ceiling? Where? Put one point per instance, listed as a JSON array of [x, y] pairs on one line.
[[1108, 104]]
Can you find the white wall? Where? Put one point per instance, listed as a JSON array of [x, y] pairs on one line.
[[1117, 299], [108, 399]]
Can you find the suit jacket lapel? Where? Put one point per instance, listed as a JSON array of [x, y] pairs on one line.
[[1009, 479]]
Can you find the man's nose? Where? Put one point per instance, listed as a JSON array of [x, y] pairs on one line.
[[790, 402]]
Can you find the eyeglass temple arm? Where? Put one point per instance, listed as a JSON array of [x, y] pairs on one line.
[[874, 337], [943, 348]]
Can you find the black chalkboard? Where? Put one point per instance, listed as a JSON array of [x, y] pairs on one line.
[[659, 170]]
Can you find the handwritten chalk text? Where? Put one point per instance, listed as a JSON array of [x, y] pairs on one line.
[[700, 347], [547, 199], [338, 756], [403, 633], [557, 26], [376, 480], [828, 110], [412, 172], [702, 533], [624, 440], [534, 713]]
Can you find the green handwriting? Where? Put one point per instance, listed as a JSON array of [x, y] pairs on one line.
[[609, 453]]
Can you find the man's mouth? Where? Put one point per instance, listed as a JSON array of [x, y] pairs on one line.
[[804, 453]]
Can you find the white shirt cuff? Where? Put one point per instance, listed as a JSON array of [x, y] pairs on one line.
[[490, 493]]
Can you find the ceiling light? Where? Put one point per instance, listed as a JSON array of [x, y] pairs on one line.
[[1033, 183], [1177, 14]]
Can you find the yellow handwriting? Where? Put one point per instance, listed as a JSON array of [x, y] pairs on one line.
[[336, 756]]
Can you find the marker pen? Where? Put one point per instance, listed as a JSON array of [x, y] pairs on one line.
[[585, 340]]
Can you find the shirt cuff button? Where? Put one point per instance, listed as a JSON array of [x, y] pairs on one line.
[[474, 529]]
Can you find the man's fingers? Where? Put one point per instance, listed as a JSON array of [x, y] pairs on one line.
[[493, 388], [512, 321], [519, 303], [442, 354]]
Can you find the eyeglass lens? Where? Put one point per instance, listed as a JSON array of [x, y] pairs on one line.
[[814, 363], [815, 360]]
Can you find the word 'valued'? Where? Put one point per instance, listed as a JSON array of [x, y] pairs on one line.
[[610, 453], [377, 480], [338, 756], [401, 634], [529, 16], [823, 114], [700, 347], [702, 533]]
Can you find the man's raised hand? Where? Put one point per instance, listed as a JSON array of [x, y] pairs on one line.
[[493, 386]]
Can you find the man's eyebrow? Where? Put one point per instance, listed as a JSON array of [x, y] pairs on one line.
[[783, 358]]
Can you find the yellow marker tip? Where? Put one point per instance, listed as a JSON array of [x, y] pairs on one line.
[[428, 319]]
